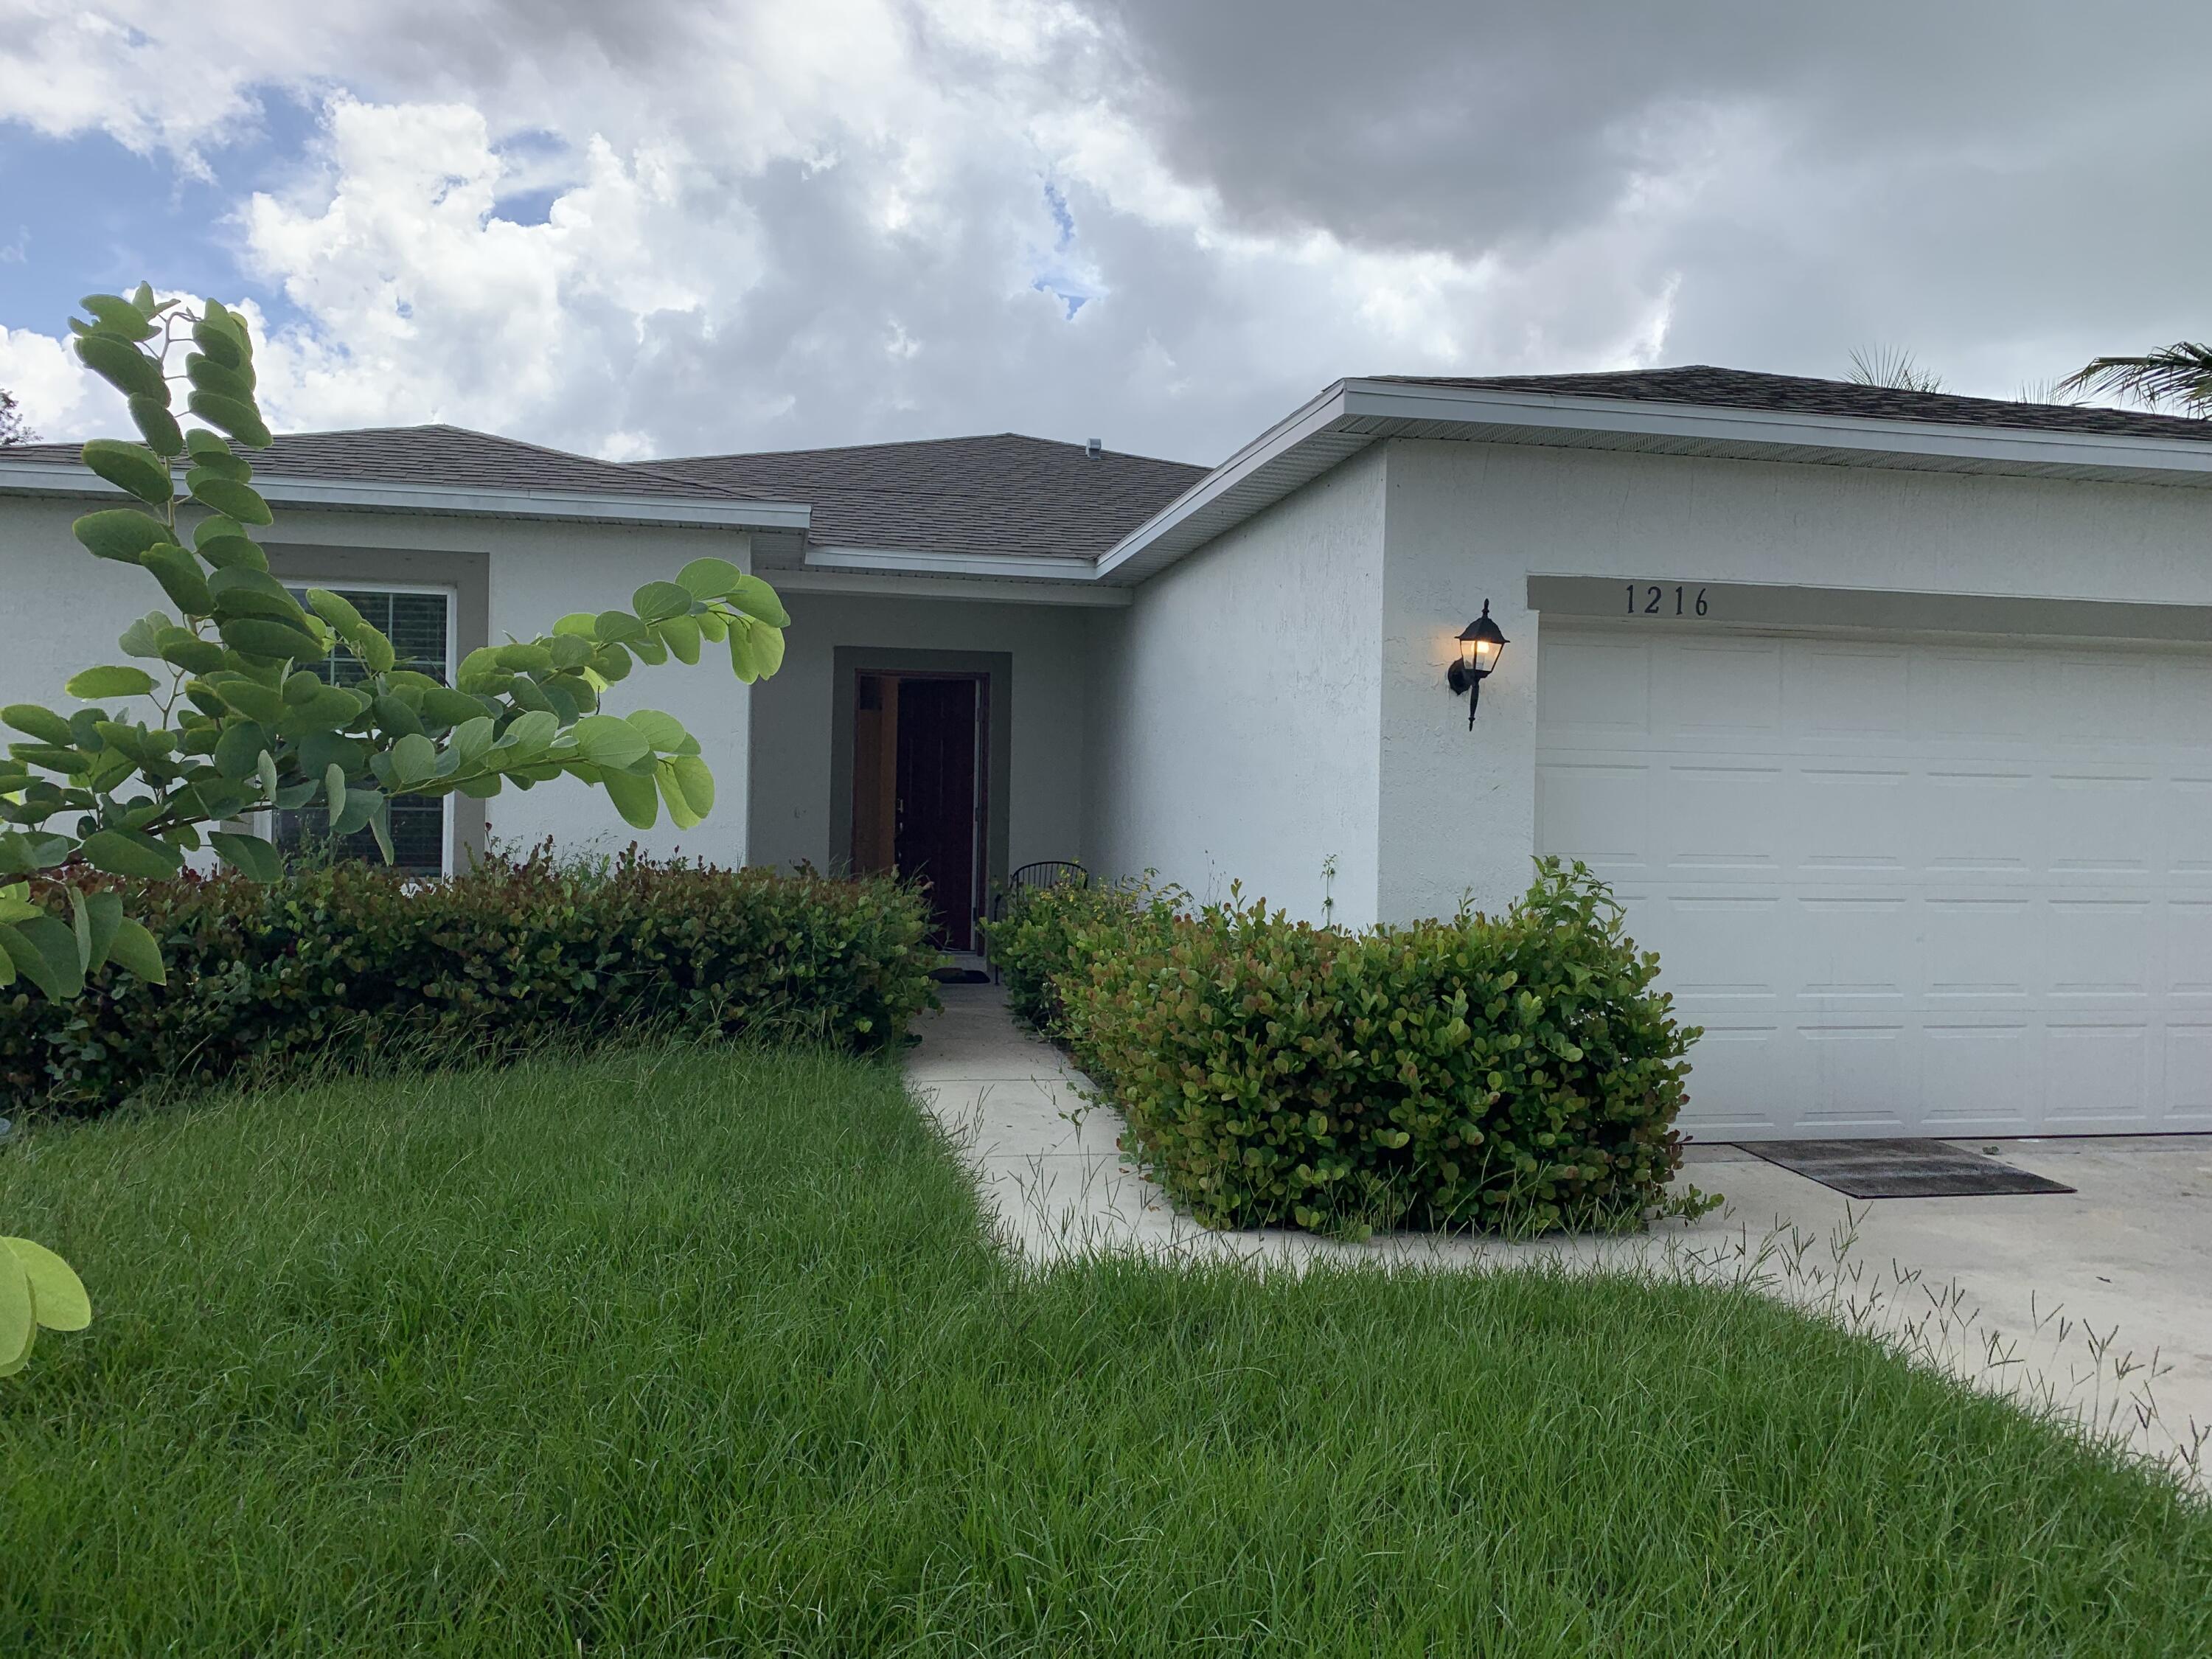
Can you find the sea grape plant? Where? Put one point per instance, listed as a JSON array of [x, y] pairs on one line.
[[37, 1289], [241, 723]]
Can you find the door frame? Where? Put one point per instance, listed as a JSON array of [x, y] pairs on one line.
[[993, 671]]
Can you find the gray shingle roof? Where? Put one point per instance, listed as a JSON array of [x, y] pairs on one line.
[[1737, 388], [448, 455], [1002, 494]]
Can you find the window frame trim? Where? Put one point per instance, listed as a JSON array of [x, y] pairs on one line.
[[451, 592]]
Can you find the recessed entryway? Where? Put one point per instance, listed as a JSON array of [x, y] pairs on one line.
[[921, 777]]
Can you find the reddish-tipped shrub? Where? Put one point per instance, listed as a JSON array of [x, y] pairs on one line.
[[350, 962]]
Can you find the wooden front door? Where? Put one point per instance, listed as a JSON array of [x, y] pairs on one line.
[[917, 799]]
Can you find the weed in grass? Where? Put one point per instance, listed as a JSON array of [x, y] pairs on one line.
[[674, 1353]]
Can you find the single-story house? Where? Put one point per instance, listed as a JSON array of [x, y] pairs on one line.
[[1887, 714]]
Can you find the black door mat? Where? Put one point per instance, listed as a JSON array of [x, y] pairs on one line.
[[960, 977], [1900, 1169]]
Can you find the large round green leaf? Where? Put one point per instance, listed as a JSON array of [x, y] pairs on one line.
[[194, 656], [113, 680], [135, 949], [56, 1293], [267, 638], [687, 776], [158, 426], [238, 751], [681, 636], [224, 380], [329, 709], [768, 649], [234, 500], [181, 579], [123, 366], [241, 420], [212, 450], [242, 592], [658, 601], [131, 852], [756, 599], [662, 731], [43, 724], [250, 856], [121, 533], [19, 1322], [132, 468], [634, 798], [221, 341], [708, 579], [609, 741], [115, 316]]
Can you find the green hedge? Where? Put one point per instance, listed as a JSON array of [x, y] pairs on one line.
[[344, 963], [1511, 1073]]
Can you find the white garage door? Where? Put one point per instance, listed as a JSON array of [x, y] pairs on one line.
[[1955, 888]]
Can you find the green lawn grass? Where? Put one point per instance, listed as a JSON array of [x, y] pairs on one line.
[[692, 1353]]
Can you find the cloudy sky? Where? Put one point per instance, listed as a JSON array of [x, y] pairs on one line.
[[665, 226]]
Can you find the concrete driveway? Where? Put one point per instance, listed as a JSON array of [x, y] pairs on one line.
[[2097, 1304]]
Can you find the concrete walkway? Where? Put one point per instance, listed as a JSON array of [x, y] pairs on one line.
[[2097, 1304]]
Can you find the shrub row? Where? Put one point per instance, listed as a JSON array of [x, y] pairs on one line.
[[1518, 1073], [345, 963]]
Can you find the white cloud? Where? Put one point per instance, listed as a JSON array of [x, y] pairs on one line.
[[793, 221], [58, 397]]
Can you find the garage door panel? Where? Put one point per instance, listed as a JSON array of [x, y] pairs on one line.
[[1980, 948], [1603, 688], [2182, 713], [2095, 1076], [1900, 890], [2186, 925], [2099, 947], [1978, 1078], [1861, 1072], [1599, 806], [1846, 949], [1719, 685], [1742, 1068], [1852, 692], [1974, 697], [2101, 824], [1852, 818], [1699, 937], [2186, 1088], [1723, 817], [1976, 821], [2186, 846]]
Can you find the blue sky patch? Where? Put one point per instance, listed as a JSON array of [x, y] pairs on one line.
[[83, 214]]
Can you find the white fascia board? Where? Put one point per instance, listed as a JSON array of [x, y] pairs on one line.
[[884, 584], [1277, 441], [44, 479], [1358, 406], [1035, 568], [1712, 423]]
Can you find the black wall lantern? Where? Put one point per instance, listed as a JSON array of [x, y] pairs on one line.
[[1480, 645]]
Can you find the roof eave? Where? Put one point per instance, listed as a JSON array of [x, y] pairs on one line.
[[47, 478], [1353, 414]]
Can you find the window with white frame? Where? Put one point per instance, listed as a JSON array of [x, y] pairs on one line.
[[419, 623]]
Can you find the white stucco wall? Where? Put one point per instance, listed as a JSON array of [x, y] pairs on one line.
[[794, 742], [1471, 521], [63, 609], [1235, 728]]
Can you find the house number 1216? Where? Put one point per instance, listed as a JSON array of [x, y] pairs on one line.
[[1652, 601]]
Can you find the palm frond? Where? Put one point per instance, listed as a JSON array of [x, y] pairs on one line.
[[2179, 375], [1893, 367]]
